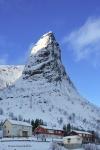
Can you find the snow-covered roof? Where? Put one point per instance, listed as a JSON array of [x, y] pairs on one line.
[[49, 127], [15, 122], [81, 132]]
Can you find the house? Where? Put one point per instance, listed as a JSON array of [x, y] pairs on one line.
[[12, 128], [72, 142], [48, 131], [86, 136]]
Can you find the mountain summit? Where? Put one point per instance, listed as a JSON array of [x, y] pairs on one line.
[[45, 91], [45, 61]]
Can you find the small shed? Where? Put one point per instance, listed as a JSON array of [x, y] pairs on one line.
[[14, 128], [74, 141]]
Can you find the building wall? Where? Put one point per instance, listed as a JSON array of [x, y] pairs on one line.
[[48, 136], [7, 129], [86, 138], [16, 130], [75, 140], [50, 132]]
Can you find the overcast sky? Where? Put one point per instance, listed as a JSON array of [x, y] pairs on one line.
[[76, 24]]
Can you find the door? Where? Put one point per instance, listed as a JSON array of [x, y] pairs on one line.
[[25, 133]]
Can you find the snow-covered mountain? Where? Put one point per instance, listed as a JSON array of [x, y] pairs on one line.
[[45, 91], [9, 74]]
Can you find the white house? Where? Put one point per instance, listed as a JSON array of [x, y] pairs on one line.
[[74, 141], [12, 128], [86, 136]]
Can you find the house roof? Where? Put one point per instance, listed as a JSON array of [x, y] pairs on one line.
[[15, 122], [81, 132], [50, 128]]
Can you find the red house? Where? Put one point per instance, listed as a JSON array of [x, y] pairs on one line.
[[49, 131]]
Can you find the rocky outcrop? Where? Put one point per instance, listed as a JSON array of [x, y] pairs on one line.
[[45, 61]]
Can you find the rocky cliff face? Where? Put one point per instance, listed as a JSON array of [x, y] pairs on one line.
[[45, 61], [45, 90]]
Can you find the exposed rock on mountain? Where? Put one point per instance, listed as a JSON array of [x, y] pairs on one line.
[[45, 61], [45, 90]]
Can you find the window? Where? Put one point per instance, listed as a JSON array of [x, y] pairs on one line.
[[69, 140], [78, 139], [51, 131], [8, 131]]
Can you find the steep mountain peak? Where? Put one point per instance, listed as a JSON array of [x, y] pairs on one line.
[[43, 42], [45, 60], [45, 90]]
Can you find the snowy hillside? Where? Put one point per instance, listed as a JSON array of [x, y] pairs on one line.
[[45, 91], [9, 74]]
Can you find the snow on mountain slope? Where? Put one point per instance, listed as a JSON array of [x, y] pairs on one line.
[[45, 91], [9, 74]]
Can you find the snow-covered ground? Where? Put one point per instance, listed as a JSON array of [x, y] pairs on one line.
[[35, 145], [24, 145], [30, 145]]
